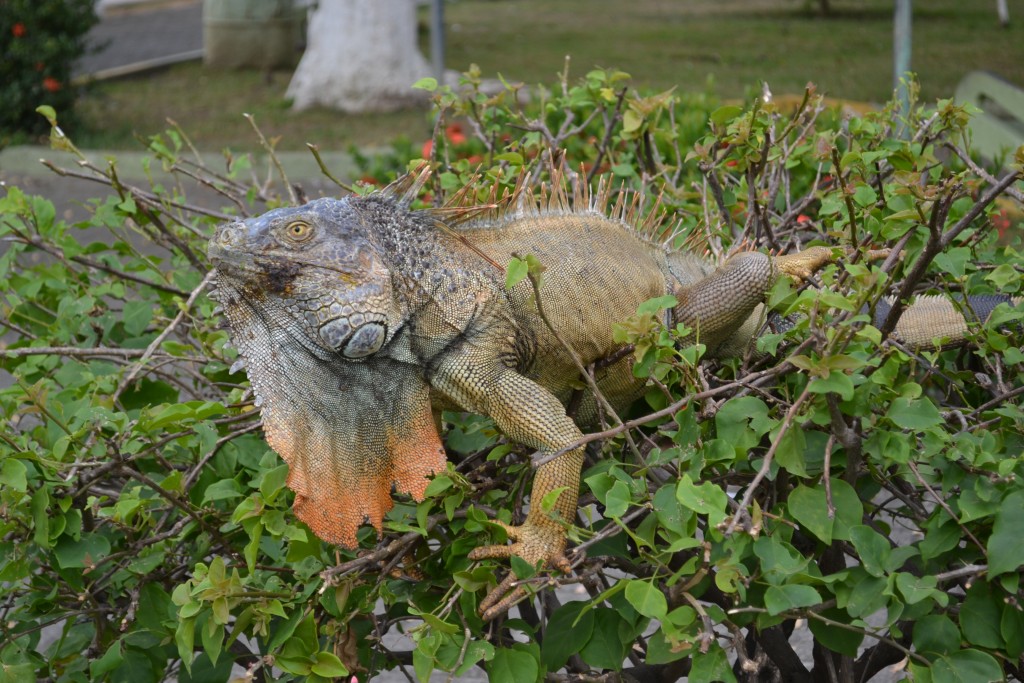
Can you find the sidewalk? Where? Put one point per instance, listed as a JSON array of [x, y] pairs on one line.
[[134, 36]]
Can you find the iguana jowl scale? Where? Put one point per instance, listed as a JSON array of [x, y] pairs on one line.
[[358, 319]]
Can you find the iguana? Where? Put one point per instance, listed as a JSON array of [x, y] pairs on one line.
[[359, 320]]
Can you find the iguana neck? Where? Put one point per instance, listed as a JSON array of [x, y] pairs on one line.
[[428, 265]]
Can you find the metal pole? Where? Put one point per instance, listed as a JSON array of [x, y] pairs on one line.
[[437, 39], [901, 52]]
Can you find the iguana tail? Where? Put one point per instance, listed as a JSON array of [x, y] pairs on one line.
[[931, 319]]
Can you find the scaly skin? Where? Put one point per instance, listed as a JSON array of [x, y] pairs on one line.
[[359, 320]]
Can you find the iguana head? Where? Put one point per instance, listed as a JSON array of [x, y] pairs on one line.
[[317, 265], [310, 304]]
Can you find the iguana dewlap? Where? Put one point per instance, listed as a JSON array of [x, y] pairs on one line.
[[358, 319]]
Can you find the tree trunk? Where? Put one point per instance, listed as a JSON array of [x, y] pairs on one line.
[[361, 56]]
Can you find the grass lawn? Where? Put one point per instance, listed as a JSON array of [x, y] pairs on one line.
[[731, 44]]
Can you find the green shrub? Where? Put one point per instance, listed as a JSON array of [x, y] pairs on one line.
[[39, 42], [144, 521]]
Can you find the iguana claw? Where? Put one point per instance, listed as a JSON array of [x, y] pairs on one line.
[[542, 544], [804, 264]]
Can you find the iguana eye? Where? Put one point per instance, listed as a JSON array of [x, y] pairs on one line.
[[299, 231]]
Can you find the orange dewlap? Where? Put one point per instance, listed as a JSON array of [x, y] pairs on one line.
[[341, 484]]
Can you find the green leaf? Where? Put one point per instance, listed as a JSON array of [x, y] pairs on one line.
[[1002, 275], [631, 121], [328, 665], [617, 499], [13, 474], [184, 637], [424, 657], [706, 499], [647, 599], [809, 507], [515, 272], [744, 421], [1005, 551], [936, 634], [916, 414], [867, 597], [569, 627], [838, 639], [872, 548], [438, 624], [85, 552], [136, 316], [212, 636], [779, 560], [513, 666], [941, 534], [980, 615], [605, 649], [967, 666], [110, 660], [724, 114], [778, 599], [711, 667], [222, 490], [660, 650], [284, 631], [657, 305], [514, 158], [48, 112], [865, 195], [473, 580], [1011, 626], [168, 414], [40, 519], [917, 588], [272, 482], [437, 485], [791, 450], [429, 84]]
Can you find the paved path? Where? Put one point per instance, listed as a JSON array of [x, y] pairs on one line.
[[143, 33]]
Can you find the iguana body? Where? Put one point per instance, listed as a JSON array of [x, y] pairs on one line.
[[359, 320]]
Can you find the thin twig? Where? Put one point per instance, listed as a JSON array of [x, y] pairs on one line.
[[767, 464]]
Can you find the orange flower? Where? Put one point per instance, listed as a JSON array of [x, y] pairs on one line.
[[51, 84], [18, 30], [454, 134]]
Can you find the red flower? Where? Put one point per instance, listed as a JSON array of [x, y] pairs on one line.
[[51, 84], [40, 66], [18, 30], [454, 134], [428, 147]]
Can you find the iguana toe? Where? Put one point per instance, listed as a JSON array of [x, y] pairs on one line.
[[537, 544], [801, 266]]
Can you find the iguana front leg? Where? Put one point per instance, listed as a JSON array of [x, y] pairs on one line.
[[528, 414]]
